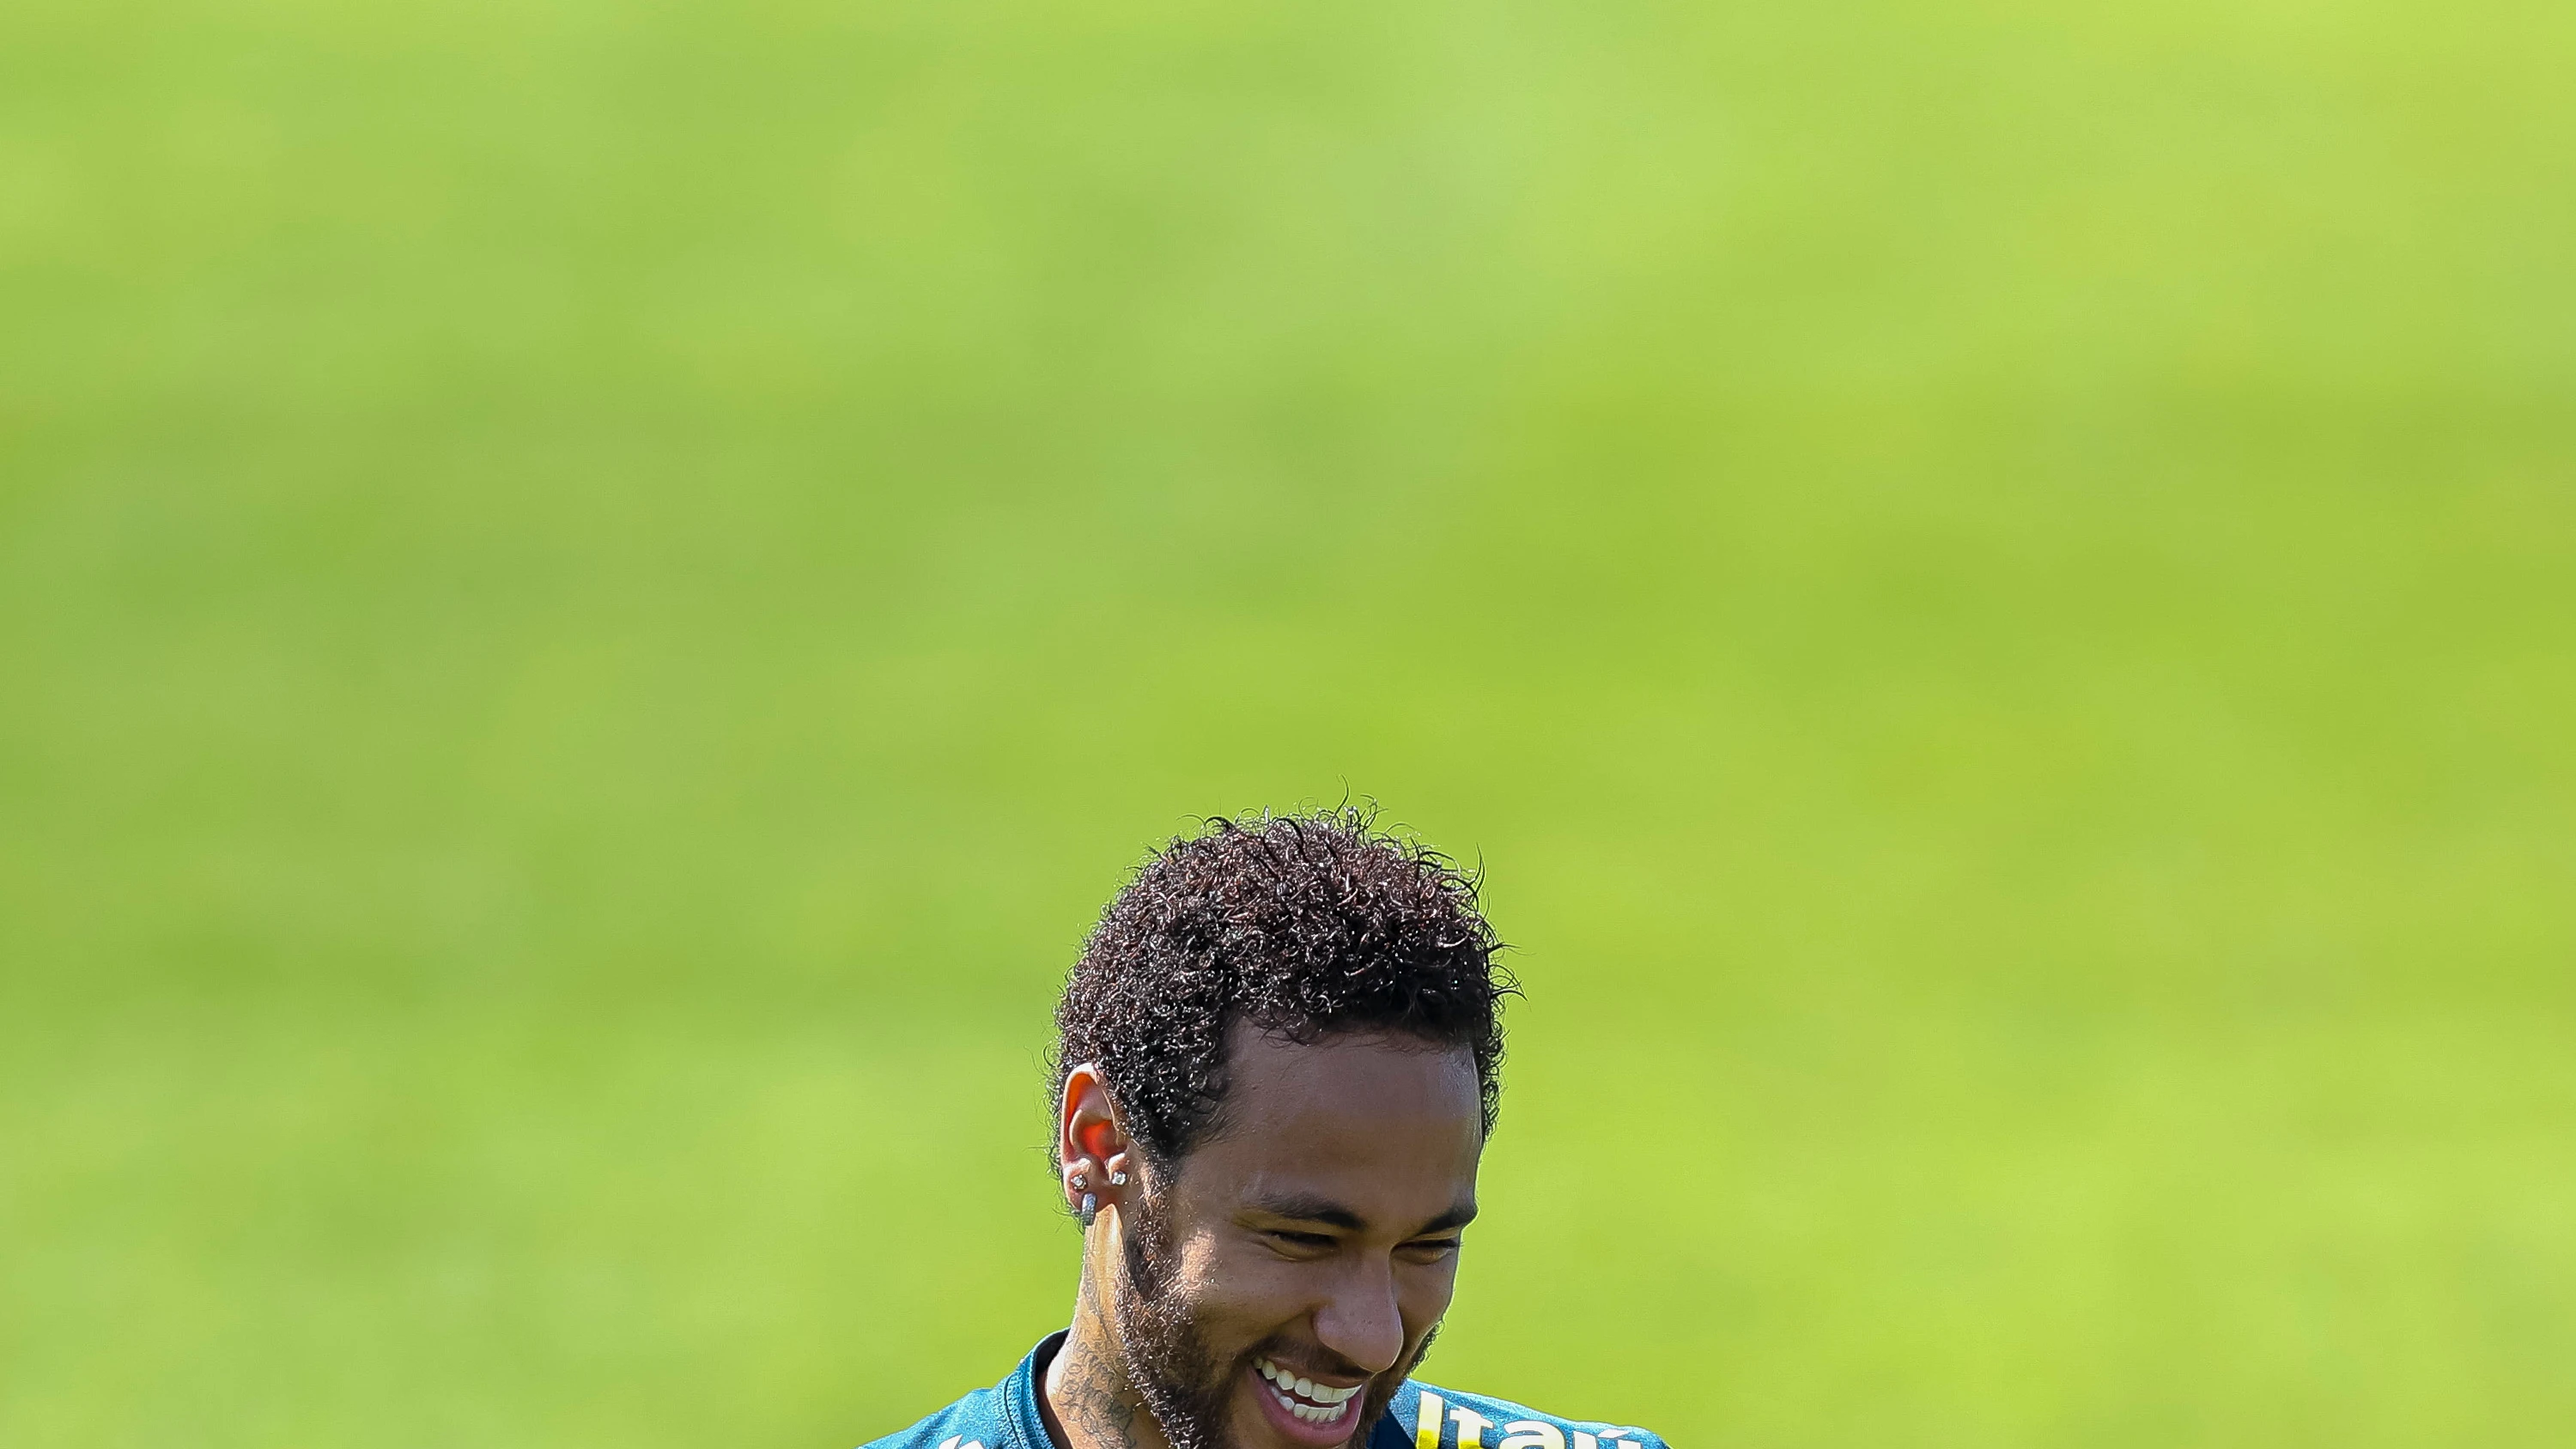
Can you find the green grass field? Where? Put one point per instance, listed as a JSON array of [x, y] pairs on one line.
[[592, 597]]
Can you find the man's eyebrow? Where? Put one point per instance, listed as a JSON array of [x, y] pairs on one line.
[[1303, 1209], [1450, 1221]]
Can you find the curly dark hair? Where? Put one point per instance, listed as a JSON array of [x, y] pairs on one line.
[[1307, 925]]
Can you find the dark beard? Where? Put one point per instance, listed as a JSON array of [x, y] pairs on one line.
[[1167, 1358]]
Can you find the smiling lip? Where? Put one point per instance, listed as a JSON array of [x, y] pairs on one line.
[[1304, 1411]]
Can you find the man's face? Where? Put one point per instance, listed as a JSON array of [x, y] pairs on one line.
[[1279, 1287]]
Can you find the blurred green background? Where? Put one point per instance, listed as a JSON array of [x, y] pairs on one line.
[[593, 595]]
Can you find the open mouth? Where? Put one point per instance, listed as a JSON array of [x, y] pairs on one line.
[[1314, 1405]]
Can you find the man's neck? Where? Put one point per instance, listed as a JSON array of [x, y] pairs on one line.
[[1085, 1397]]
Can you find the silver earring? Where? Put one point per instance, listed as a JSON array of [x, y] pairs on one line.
[[1090, 1209], [1117, 1178], [1080, 1181]]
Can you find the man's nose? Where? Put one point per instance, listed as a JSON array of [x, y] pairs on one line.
[[1361, 1321]]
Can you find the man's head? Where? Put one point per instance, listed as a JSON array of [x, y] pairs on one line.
[[1284, 1037]]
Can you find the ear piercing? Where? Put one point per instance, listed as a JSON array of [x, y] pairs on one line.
[[1081, 1182]]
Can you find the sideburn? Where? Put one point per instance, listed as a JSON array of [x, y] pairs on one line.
[[1146, 1243]]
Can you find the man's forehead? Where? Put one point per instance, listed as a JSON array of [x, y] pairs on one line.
[[1280, 1082], [1386, 1130]]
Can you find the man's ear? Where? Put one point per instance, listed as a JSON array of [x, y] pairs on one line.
[[1098, 1161]]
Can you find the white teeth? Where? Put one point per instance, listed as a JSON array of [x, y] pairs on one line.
[[1305, 1398], [1312, 1413]]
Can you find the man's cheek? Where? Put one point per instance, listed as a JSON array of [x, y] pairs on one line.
[[1203, 1263], [1424, 1303], [1246, 1272]]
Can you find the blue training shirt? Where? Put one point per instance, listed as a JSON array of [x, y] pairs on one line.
[[1006, 1416]]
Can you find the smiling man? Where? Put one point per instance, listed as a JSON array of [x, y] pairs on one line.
[[1275, 1075]]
